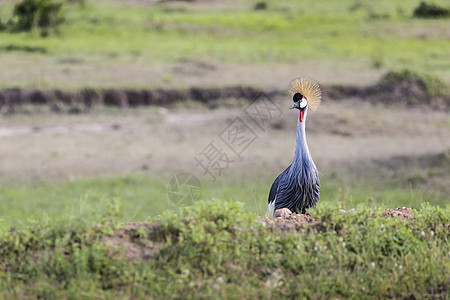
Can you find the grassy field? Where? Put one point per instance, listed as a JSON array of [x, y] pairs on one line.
[[139, 197], [123, 43], [85, 209]]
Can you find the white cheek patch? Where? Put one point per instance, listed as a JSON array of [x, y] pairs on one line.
[[303, 104]]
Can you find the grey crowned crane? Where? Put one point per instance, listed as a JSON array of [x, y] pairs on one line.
[[298, 187]]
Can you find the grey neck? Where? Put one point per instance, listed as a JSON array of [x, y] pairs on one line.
[[301, 148]]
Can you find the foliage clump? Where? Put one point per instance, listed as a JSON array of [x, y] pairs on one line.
[[261, 5], [411, 88], [44, 15], [425, 10]]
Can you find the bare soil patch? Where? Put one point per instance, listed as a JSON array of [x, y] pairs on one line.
[[133, 241], [290, 223], [403, 213]]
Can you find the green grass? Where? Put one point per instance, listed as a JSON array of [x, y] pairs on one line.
[[237, 36], [139, 197], [384, 35], [216, 250]]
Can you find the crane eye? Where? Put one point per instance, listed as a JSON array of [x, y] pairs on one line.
[[297, 97]]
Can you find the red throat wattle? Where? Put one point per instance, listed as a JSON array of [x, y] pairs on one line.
[[300, 118]]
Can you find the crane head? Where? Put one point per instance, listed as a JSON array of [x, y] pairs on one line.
[[306, 92], [300, 102]]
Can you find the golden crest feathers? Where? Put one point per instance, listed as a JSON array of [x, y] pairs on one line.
[[309, 88]]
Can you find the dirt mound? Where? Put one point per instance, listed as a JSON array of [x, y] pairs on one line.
[[410, 88], [133, 241], [290, 223], [403, 213], [398, 88]]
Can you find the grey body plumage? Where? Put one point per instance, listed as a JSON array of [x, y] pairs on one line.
[[298, 187]]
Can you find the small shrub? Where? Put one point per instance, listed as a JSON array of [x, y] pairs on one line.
[[260, 5], [44, 15], [433, 86], [26, 12], [410, 88], [425, 10]]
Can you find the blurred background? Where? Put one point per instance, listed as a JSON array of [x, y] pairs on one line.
[[103, 103]]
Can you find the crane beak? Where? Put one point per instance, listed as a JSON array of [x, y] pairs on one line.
[[301, 104], [295, 105]]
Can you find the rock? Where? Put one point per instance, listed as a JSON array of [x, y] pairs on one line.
[[283, 213]]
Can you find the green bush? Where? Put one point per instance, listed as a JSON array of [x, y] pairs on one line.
[[411, 88], [260, 5], [45, 15], [425, 10], [431, 86]]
